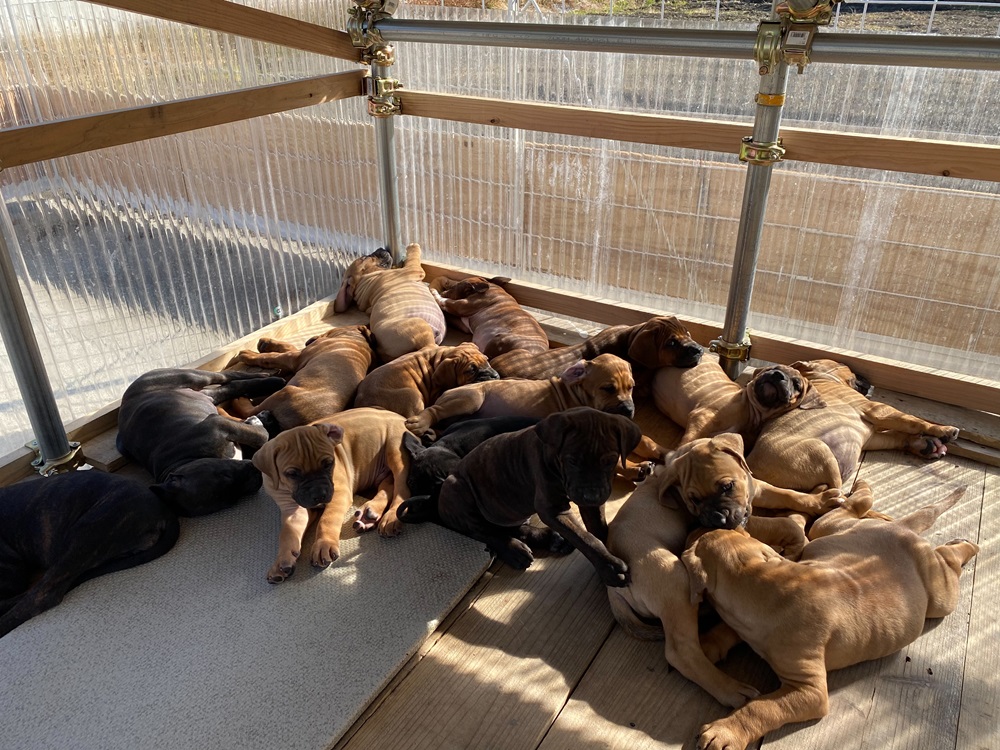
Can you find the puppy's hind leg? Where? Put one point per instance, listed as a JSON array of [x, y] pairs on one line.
[[368, 515], [945, 569], [921, 520]]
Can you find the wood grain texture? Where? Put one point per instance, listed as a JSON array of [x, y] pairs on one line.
[[50, 140], [958, 160], [977, 725], [926, 382], [245, 21], [504, 669]]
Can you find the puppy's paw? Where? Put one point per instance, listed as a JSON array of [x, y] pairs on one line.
[[945, 433], [282, 569], [516, 554], [419, 425], [614, 574], [736, 695], [365, 519], [324, 552], [254, 420], [719, 736], [389, 524], [927, 447], [268, 345], [638, 472], [829, 499]]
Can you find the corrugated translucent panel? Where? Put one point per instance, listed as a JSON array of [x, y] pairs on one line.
[[155, 253]]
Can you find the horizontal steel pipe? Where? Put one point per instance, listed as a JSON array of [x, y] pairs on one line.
[[973, 53]]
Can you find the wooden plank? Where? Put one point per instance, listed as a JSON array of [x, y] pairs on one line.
[[243, 20], [926, 382], [977, 725], [910, 699], [506, 666], [915, 156], [75, 135], [586, 122]]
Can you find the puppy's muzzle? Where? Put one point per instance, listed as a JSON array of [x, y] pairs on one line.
[[313, 491], [690, 355], [383, 257], [625, 408], [486, 373], [774, 389], [723, 516]]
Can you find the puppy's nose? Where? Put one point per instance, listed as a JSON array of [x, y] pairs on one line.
[[487, 373], [692, 354], [626, 408], [723, 518]]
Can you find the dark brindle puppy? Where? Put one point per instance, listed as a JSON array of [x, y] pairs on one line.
[[169, 423], [57, 532], [431, 465], [567, 457], [659, 342]]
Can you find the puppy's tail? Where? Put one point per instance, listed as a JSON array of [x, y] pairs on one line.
[[419, 509], [634, 624]]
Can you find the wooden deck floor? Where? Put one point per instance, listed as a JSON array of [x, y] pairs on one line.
[[534, 659]]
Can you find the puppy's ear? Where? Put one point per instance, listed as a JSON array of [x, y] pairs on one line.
[[480, 286], [333, 431], [811, 398], [550, 431], [266, 461], [645, 347], [367, 333], [500, 281], [673, 472], [412, 444], [629, 436], [345, 296], [575, 372], [731, 443], [697, 576], [447, 371]]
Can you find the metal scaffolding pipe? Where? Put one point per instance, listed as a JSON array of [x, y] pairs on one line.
[[26, 360], [973, 53], [385, 138]]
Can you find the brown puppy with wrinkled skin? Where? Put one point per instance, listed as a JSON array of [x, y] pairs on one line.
[[483, 308], [703, 482], [824, 447], [414, 381], [861, 590], [604, 383], [704, 401], [320, 467], [403, 315], [325, 375], [659, 342]]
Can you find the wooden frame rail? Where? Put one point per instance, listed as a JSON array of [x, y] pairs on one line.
[[245, 21], [957, 160], [936, 385], [74, 135]]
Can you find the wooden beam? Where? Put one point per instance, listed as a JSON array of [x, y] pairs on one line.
[[245, 21], [75, 135], [926, 382], [958, 160]]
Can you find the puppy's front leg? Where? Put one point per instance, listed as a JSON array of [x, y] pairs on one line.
[[466, 399], [326, 547], [611, 570], [294, 520]]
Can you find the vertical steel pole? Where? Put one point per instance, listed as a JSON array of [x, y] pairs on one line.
[[761, 151], [385, 137], [29, 369]]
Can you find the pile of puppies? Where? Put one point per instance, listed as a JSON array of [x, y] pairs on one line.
[[484, 436]]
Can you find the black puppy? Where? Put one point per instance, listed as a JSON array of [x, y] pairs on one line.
[[168, 423], [567, 456], [430, 465], [57, 532]]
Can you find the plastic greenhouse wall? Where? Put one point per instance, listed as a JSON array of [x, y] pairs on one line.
[[155, 253]]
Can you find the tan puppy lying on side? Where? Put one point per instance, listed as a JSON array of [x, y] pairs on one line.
[[704, 401], [705, 482], [804, 449], [412, 382], [604, 383], [318, 468], [861, 590], [325, 375], [403, 314]]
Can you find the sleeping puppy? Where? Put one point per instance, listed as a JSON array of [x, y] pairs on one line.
[[704, 483], [802, 449], [431, 465], [483, 308], [57, 532], [862, 589], [320, 467], [323, 376], [170, 424], [414, 381], [661, 341], [567, 457], [703, 400], [403, 316]]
